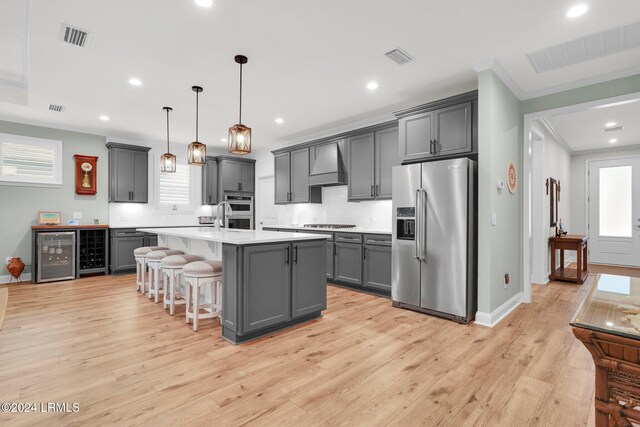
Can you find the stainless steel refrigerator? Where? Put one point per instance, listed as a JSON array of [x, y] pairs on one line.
[[434, 238]]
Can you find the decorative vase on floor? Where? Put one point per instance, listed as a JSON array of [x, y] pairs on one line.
[[15, 267]]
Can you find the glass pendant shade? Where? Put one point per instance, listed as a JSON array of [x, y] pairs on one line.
[[240, 139], [167, 162], [197, 153]]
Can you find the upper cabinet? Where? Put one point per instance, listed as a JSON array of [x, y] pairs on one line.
[[235, 175], [371, 157], [210, 182], [291, 170], [128, 173], [439, 129]]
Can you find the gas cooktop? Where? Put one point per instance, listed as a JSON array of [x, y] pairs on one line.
[[329, 226]]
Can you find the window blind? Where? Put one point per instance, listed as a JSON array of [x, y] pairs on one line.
[[174, 187], [30, 160]]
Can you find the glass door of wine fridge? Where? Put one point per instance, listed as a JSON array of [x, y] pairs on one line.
[[56, 256]]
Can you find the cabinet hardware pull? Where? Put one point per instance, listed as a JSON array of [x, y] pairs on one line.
[[372, 191], [435, 146], [295, 254], [364, 252], [334, 249], [286, 257], [377, 190]]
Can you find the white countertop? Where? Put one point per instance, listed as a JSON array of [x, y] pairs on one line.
[[361, 230], [234, 237]]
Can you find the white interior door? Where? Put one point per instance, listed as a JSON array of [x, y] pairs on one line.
[[266, 213], [614, 211]]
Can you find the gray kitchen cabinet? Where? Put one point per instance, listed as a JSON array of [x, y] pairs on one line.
[[282, 177], [123, 241], [291, 171], [386, 155], [415, 135], [361, 154], [442, 128], [377, 267], [452, 130], [210, 182], [266, 297], [348, 263], [235, 175], [330, 248], [308, 296], [128, 173], [300, 176]]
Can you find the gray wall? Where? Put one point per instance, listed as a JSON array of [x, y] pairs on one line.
[[499, 140], [20, 204]]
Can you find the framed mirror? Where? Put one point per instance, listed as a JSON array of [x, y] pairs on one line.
[[553, 202]]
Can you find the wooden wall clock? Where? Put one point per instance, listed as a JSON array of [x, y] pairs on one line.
[[86, 175]]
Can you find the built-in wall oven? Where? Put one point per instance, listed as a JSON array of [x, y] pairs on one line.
[[242, 211]]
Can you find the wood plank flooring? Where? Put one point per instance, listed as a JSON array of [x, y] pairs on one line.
[[96, 342]]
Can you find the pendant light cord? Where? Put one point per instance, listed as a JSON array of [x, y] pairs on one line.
[[167, 130], [240, 118], [197, 115]]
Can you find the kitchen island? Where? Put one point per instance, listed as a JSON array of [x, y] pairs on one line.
[[271, 280]]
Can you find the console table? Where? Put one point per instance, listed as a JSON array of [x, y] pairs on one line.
[[570, 243], [614, 343]]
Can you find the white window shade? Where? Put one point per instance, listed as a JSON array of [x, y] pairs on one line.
[[615, 201], [174, 188], [30, 161]]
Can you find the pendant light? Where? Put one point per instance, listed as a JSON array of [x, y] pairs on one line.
[[167, 160], [197, 151], [240, 135]]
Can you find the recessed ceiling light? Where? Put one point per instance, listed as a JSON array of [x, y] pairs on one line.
[[610, 124], [135, 82], [104, 118], [577, 10], [223, 139], [204, 3], [279, 120], [613, 141], [372, 85]]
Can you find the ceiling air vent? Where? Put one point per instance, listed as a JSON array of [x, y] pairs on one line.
[[56, 108], [74, 36], [399, 56], [593, 46]]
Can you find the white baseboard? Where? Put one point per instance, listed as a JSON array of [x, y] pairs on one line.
[[26, 277], [492, 319]]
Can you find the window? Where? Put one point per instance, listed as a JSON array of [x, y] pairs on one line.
[[615, 201], [174, 188], [30, 161]]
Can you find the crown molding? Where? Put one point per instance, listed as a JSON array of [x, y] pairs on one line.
[[559, 139], [611, 149]]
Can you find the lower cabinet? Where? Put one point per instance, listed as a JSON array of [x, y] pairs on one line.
[[348, 263], [330, 252], [122, 244], [377, 267], [266, 286], [279, 282]]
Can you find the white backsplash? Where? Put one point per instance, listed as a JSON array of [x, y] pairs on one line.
[[336, 210]]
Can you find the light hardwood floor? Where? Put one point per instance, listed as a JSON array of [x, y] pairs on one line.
[[95, 341]]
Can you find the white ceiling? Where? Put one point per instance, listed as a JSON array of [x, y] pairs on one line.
[[583, 130], [309, 61]]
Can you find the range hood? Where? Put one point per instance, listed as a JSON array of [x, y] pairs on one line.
[[326, 165]]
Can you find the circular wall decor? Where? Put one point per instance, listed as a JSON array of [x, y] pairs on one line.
[[512, 177]]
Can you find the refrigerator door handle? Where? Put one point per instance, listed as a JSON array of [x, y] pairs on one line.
[[423, 225], [418, 227]]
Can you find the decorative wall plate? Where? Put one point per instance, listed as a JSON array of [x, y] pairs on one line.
[[512, 177], [86, 175]]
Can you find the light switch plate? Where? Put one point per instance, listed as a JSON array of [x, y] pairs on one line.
[[494, 219], [77, 215]]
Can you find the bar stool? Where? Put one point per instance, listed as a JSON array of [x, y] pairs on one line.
[[141, 265], [154, 258], [196, 274], [172, 269]]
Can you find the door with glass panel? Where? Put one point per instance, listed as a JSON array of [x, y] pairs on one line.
[[614, 211]]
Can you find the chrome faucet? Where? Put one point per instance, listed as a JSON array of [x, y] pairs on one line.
[[227, 211]]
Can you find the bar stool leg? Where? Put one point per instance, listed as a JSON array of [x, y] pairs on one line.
[[151, 278], [172, 293], [165, 287], [188, 302], [144, 273], [196, 304]]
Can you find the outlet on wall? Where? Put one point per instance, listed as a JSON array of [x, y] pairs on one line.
[[506, 280]]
